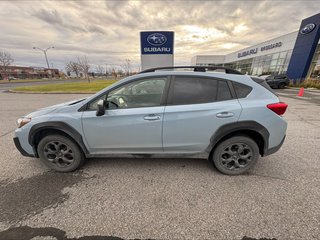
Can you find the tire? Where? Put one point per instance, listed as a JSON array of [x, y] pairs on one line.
[[60, 153], [281, 85], [230, 160]]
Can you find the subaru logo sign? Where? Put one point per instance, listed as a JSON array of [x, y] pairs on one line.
[[156, 39], [308, 28], [156, 42]]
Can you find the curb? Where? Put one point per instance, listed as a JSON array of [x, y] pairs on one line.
[[306, 89], [12, 91], [45, 81]]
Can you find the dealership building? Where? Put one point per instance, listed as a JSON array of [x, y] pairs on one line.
[[296, 54], [20, 72]]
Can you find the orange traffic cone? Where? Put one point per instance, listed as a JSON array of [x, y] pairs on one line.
[[301, 91]]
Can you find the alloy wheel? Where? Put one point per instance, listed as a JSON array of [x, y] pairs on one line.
[[59, 153], [236, 156]]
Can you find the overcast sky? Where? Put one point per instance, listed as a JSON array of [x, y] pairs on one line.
[[107, 32]]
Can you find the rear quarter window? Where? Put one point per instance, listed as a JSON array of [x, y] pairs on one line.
[[241, 90]]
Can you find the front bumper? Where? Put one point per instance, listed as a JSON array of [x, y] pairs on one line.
[[274, 149], [21, 150]]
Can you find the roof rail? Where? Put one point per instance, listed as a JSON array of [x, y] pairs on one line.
[[195, 69]]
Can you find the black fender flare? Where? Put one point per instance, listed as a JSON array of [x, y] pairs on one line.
[[230, 128], [56, 125]]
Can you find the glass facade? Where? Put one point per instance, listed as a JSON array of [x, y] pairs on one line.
[[263, 65], [314, 71], [275, 63]]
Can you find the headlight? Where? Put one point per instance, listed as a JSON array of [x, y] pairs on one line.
[[23, 121]]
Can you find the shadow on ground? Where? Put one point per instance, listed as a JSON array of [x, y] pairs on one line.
[[27, 233], [30, 196]]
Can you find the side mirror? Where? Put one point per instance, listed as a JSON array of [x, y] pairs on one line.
[[101, 108]]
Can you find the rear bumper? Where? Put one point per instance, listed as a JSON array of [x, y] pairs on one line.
[[21, 150], [274, 149]]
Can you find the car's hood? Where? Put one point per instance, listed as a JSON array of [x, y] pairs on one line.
[[50, 109]]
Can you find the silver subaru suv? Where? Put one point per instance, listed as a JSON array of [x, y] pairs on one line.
[[226, 117]]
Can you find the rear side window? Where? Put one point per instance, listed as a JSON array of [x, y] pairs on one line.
[[194, 90], [241, 90], [263, 83]]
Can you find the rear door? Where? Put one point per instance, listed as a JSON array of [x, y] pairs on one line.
[[196, 108]]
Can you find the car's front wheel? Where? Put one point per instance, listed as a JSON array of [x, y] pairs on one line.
[[235, 155], [60, 153]]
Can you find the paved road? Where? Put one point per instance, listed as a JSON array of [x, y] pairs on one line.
[[162, 198], [312, 96]]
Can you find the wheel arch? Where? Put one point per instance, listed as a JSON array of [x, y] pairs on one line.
[[38, 131], [252, 129]]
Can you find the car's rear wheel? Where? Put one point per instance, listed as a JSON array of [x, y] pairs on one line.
[[281, 85], [235, 155], [60, 153]]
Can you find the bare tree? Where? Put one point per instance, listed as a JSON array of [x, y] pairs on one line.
[[114, 73], [84, 66], [120, 72], [5, 62], [100, 70], [127, 67], [108, 71], [73, 67]]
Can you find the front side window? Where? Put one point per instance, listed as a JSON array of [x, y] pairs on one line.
[[141, 93], [194, 90]]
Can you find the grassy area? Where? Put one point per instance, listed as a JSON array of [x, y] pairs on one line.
[[309, 83], [75, 87], [28, 80]]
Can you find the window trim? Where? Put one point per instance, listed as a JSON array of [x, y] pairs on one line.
[[233, 92], [163, 101], [171, 89], [230, 91]]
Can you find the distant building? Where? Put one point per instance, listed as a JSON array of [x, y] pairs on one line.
[[296, 54], [29, 72]]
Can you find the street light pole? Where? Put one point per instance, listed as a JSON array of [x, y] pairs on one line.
[[45, 53]]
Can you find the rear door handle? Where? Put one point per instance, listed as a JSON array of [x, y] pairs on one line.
[[224, 114], [151, 117]]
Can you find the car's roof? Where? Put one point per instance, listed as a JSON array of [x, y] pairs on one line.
[[212, 74]]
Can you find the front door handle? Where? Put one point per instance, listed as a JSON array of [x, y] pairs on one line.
[[151, 117], [224, 114]]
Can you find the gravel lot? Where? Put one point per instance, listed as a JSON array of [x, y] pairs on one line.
[[163, 198]]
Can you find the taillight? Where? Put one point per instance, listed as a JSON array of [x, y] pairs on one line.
[[279, 108]]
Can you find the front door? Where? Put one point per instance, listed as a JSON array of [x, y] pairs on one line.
[[132, 122]]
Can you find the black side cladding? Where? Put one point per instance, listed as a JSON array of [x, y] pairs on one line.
[[241, 126], [61, 126], [21, 150]]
